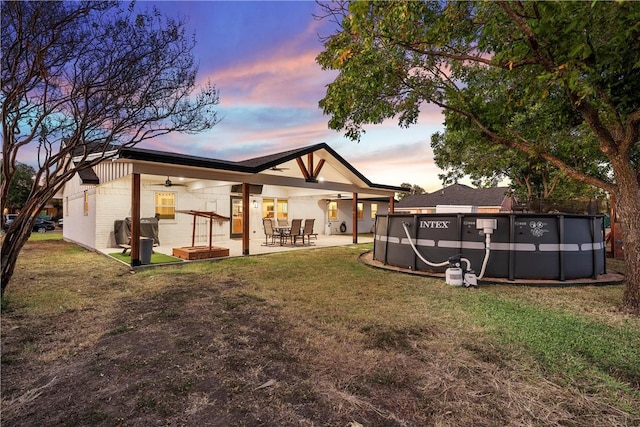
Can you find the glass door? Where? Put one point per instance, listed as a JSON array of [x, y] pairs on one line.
[[236, 217]]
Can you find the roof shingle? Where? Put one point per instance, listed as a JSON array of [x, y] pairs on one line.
[[457, 194]]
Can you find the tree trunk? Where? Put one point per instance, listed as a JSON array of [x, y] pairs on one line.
[[12, 244], [628, 211], [19, 232]]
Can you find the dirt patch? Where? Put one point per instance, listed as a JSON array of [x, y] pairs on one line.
[[183, 356]]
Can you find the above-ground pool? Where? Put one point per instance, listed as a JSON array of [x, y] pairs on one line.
[[520, 246]]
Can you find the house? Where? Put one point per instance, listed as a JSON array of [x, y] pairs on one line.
[[459, 198], [308, 182]]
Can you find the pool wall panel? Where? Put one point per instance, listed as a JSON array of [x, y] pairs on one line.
[[523, 246]]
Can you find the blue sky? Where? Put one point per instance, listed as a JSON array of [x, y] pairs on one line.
[[261, 57]]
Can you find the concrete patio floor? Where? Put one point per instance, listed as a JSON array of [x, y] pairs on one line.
[[257, 245]]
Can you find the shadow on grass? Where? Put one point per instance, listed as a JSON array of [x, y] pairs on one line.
[[156, 258]]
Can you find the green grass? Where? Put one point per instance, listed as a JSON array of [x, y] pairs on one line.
[[49, 235], [156, 258], [561, 341]]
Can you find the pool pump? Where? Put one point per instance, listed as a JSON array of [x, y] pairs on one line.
[[455, 275]]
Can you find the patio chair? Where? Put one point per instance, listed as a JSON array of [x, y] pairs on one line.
[[295, 232], [308, 231], [270, 232]]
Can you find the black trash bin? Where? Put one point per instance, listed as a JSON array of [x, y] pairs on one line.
[[146, 249]]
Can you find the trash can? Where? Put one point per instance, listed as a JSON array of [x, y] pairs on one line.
[[146, 248]]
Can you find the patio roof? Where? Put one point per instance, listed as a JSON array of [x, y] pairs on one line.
[[315, 167]]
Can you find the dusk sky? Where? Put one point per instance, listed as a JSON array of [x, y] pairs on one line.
[[261, 57]]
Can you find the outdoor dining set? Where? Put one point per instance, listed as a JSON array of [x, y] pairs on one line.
[[282, 233]]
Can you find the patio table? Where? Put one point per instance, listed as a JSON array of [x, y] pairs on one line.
[[284, 231]]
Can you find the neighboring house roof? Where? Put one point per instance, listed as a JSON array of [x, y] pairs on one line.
[[457, 194]]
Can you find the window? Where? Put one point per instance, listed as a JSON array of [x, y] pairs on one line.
[[374, 210], [274, 208], [86, 203], [283, 208], [333, 211], [166, 205], [360, 210], [268, 206]]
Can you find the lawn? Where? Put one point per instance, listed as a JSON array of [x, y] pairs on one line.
[[305, 338]]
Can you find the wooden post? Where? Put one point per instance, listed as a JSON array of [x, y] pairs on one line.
[[210, 233], [245, 218], [354, 209], [135, 220], [391, 204], [193, 232]]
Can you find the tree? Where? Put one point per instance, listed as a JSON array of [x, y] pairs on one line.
[[535, 182], [411, 190], [558, 81], [20, 187], [82, 80]]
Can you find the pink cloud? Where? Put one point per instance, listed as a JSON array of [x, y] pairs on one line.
[[291, 80]]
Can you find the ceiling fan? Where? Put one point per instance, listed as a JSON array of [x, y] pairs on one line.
[[277, 169], [168, 184]]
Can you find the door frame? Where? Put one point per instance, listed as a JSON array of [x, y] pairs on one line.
[[238, 201]]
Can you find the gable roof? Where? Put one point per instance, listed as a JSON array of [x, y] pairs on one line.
[[254, 165], [457, 194]]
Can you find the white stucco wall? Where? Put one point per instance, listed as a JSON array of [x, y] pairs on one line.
[[178, 232], [345, 213], [113, 202], [79, 227], [309, 208]]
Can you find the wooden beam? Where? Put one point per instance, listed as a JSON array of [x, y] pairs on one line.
[[310, 163], [135, 220], [354, 211], [245, 219], [316, 171], [391, 204], [303, 168]]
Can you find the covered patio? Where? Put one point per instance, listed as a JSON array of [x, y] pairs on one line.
[[257, 246], [315, 172]]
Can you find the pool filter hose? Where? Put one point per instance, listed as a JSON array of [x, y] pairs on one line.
[[432, 264], [442, 264]]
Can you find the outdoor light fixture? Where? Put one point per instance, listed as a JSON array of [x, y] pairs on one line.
[[255, 204]]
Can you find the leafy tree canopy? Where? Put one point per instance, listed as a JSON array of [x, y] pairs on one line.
[[411, 190], [20, 187]]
